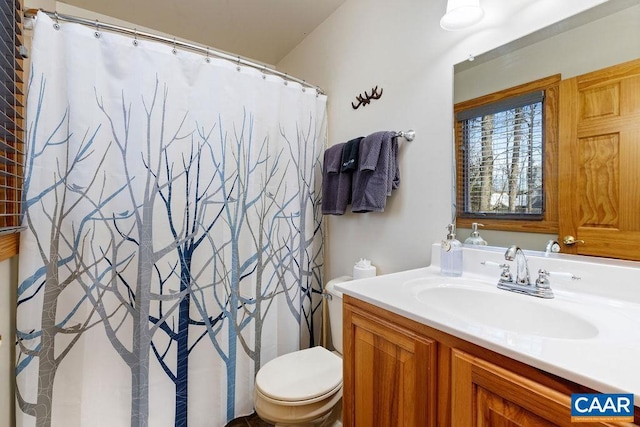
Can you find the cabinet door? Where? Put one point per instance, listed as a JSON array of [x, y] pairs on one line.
[[389, 375], [486, 395]]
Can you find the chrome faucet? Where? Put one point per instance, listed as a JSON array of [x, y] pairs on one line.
[[522, 267], [522, 282]]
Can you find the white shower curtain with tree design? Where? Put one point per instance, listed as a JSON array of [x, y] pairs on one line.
[[173, 240]]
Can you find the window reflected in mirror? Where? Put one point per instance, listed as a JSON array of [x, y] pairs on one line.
[[506, 151], [502, 160]]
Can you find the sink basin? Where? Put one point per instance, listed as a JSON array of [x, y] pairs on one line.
[[482, 304]]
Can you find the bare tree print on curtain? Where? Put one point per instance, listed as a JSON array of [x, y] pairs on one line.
[[304, 248], [135, 230], [57, 250], [173, 225], [238, 162]]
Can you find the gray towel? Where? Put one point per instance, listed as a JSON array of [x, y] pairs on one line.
[[377, 174], [336, 186], [395, 182]]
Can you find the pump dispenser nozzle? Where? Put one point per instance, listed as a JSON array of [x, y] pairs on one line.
[[451, 228], [475, 238]]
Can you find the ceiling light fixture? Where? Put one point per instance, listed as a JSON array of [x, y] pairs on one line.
[[461, 14]]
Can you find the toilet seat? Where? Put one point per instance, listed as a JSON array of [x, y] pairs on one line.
[[301, 377], [298, 402], [298, 414]]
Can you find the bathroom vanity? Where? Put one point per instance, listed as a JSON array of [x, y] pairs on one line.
[[421, 349]]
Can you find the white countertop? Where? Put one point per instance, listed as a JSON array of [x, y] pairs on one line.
[[606, 296]]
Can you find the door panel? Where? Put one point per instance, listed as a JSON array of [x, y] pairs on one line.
[[599, 162]]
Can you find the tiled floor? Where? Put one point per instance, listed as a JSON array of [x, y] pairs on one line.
[[249, 421]]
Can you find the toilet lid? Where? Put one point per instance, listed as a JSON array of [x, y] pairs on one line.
[[301, 375]]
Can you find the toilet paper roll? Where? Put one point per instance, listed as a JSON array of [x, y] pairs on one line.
[[363, 269]]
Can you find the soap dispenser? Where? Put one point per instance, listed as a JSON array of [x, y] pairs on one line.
[[475, 238], [451, 254]]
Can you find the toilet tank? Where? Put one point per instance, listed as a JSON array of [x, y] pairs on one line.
[[334, 303]]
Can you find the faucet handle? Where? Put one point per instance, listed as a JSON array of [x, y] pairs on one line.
[[505, 276], [564, 274], [490, 264], [543, 279]]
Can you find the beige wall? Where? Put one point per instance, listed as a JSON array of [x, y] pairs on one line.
[[400, 47]]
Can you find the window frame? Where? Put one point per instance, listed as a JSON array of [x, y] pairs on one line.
[[9, 242], [548, 222]]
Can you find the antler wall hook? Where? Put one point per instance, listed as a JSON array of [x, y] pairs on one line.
[[366, 99]]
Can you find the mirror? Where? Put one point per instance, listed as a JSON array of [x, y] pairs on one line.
[[605, 35]]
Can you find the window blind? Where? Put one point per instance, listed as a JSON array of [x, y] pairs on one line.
[[11, 115], [502, 150]]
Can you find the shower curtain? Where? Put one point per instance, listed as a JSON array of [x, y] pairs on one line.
[[173, 241]]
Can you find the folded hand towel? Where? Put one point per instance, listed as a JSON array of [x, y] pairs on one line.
[[336, 186], [350, 155]]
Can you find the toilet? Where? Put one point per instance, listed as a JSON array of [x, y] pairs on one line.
[[304, 388]]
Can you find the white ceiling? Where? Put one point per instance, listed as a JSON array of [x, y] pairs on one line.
[[262, 30]]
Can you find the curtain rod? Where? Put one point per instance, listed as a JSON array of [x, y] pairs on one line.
[[31, 13]]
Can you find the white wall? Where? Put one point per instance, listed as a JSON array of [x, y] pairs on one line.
[[400, 47]]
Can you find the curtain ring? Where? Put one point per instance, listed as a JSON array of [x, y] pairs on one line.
[[207, 59], [238, 64], [304, 82], [264, 72], [56, 24], [174, 50], [286, 82], [135, 37], [97, 32]]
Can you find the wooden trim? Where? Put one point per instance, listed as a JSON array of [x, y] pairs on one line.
[[348, 368], [540, 84], [445, 402], [9, 245], [615, 72], [525, 226], [568, 210], [549, 222], [461, 376]]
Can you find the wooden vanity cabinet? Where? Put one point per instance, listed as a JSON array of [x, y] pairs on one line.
[[401, 373], [388, 374], [502, 398]]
